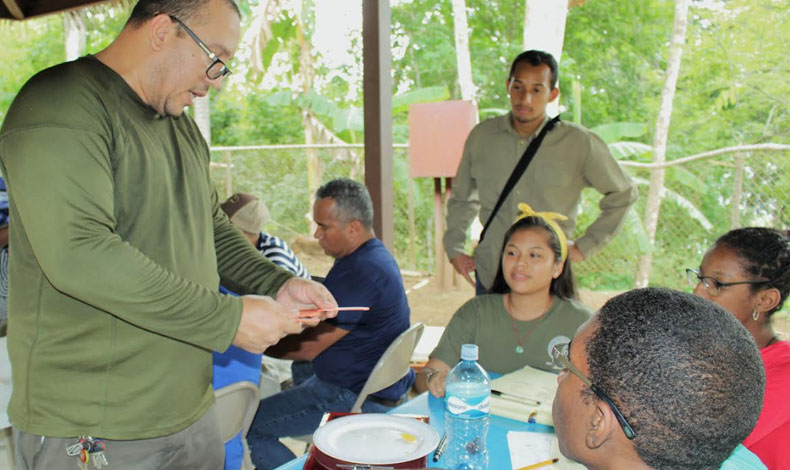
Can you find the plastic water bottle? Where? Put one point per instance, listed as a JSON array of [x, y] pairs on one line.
[[467, 405]]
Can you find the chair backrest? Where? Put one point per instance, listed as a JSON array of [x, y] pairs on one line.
[[236, 405], [392, 365]]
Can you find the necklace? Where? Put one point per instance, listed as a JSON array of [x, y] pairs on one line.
[[772, 341], [538, 320]]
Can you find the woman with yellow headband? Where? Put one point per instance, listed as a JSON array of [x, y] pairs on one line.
[[531, 306]]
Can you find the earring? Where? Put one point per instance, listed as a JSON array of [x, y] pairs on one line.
[[755, 314]]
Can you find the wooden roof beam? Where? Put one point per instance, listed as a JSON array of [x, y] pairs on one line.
[[14, 9]]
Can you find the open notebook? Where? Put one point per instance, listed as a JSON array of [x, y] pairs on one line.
[[524, 395]]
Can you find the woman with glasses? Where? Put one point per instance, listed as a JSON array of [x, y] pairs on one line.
[[530, 308], [747, 271]]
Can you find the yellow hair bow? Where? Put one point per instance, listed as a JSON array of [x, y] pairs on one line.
[[550, 218]]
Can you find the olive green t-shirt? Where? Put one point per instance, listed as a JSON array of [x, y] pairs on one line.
[[118, 247], [484, 321]]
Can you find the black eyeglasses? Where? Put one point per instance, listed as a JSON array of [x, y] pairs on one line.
[[559, 356], [217, 68], [712, 286]]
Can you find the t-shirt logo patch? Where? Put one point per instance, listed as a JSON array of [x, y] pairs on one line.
[[562, 342]]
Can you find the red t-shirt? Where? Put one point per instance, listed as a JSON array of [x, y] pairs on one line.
[[770, 439]]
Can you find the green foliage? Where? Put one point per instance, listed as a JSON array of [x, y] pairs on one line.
[[278, 178], [630, 150], [27, 48], [33, 45], [422, 190], [283, 32], [617, 51], [614, 131], [401, 102], [103, 24], [253, 119]]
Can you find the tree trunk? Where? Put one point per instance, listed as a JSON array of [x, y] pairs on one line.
[[654, 194], [74, 28], [462, 57], [544, 29], [306, 74], [737, 193]]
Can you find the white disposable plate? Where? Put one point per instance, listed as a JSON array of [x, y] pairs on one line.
[[376, 438]]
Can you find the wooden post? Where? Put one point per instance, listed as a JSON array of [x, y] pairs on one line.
[[444, 270], [411, 247], [438, 229], [448, 190], [377, 98]]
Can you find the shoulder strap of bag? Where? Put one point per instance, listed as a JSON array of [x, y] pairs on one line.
[[519, 170]]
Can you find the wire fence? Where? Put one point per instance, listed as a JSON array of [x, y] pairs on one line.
[[703, 198]]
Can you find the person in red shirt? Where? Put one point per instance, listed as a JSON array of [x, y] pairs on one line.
[[747, 271]]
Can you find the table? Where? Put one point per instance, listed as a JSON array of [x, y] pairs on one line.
[[425, 403]]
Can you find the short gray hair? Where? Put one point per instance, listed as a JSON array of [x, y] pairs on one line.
[[352, 200]]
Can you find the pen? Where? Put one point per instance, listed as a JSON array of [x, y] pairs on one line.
[[513, 397], [540, 464], [437, 454]]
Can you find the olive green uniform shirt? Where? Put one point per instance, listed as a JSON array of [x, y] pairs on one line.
[[119, 245], [484, 321], [569, 159]]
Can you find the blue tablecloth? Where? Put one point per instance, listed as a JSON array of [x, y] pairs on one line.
[[425, 403]]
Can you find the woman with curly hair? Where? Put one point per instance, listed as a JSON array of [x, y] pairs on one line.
[[747, 271]]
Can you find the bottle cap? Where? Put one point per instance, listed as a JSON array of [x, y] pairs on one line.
[[469, 352]]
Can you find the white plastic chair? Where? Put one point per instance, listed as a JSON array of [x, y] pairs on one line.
[[392, 365], [390, 368], [236, 405]]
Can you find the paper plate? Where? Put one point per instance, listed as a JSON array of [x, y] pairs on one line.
[[376, 439]]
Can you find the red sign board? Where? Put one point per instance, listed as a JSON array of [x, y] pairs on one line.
[[437, 133]]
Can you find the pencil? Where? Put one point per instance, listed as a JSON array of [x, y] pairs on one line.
[[540, 464], [311, 312], [517, 398]]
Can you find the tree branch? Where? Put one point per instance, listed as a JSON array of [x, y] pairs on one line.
[[709, 154]]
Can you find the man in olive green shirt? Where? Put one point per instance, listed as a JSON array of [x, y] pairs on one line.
[[120, 246], [569, 159]]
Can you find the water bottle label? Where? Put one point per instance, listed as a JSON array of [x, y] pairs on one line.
[[459, 406]]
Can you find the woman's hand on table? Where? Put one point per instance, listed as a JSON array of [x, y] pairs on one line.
[[432, 377], [436, 383]]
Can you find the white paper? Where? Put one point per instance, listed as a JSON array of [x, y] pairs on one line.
[[527, 448], [535, 385]]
